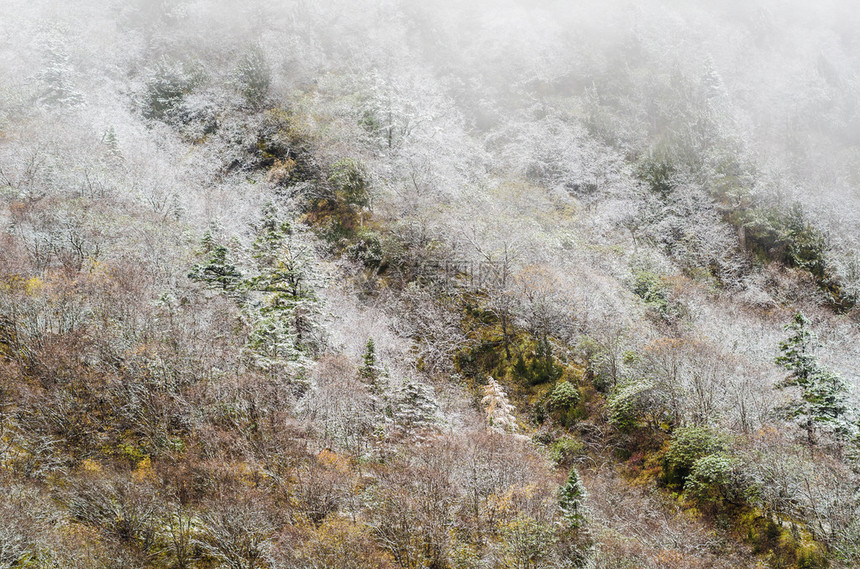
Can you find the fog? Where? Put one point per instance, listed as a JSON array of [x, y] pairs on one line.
[[275, 272]]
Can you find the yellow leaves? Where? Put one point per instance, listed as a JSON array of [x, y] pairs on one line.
[[665, 344], [80, 534], [131, 452], [13, 284], [670, 558], [280, 171], [247, 474], [516, 498], [334, 461], [91, 466], [144, 471], [538, 281], [33, 286], [340, 544]]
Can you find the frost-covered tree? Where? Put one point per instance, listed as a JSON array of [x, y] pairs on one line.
[[369, 371], [56, 74], [415, 407], [254, 76], [571, 500], [500, 412], [286, 311], [822, 394], [216, 271]]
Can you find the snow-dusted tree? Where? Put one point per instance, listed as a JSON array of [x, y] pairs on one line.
[[56, 73], [822, 397], [285, 315], [415, 407], [254, 76], [216, 271], [571, 500], [369, 371], [500, 412], [341, 406]]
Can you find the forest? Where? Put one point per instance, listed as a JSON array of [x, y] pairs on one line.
[[402, 284]]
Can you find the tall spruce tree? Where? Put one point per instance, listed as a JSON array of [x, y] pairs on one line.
[[216, 271], [369, 371], [571, 500], [286, 310], [822, 394]]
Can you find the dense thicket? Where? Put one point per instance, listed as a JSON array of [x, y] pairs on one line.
[[429, 284]]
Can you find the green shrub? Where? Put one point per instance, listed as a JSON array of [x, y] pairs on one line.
[[167, 86], [540, 368], [658, 172], [688, 445], [254, 76], [636, 402], [715, 480], [563, 397], [566, 449], [653, 291]]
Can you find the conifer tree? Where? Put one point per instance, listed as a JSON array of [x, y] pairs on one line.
[[572, 500], [822, 397], [254, 76], [500, 412], [216, 271], [56, 74], [369, 371], [414, 406], [286, 309]]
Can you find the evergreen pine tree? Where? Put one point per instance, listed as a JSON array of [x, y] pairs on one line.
[[285, 308], [500, 412], [56, 73], [216, 271], [369, 371], [572, 500], [254, 76], [415, 407], [114, 154], [822, 399]]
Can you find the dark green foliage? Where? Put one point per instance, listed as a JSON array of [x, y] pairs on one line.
[[284, 264], [571, 500], [286, 322], [649, 288], [634, 403], [254, 76], [788, 237], [340, 203], [541, 367], [653, 291], [566, 449], [563, 396], [55, 75], [658, 173], [414, 406], [822, 398], [688, 445], [169, 82], [216, 271], [368, 248], [349, 183], [369, 370], [562, 402], [806, 245], [716, 481]]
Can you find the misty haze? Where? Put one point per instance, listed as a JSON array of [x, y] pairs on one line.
[[429, 284]]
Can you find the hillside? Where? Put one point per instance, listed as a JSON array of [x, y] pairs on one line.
[[400, 284]]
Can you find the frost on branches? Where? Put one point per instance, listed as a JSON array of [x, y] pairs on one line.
[[500, 412]]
